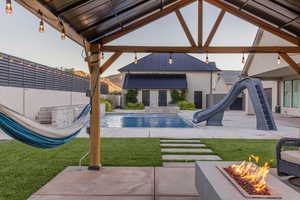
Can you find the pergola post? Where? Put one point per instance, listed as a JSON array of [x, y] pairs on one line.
[[94, 63]]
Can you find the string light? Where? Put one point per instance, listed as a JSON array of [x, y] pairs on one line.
[[8, 7], [206, 59], [101, 56], [63, 34], [135, 58], [243, 59], [170, 60], [278, 60], [41, 26]]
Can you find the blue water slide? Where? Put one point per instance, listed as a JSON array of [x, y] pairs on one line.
[[264, 118]]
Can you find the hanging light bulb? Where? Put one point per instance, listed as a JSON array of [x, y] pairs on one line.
[[101, 56], [278, 60], [135, 58], [63, 34], [170, 60], [206, 59], [41, 26], [243, 59], [8, 7]]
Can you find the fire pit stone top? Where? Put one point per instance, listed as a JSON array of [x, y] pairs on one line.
[[212, 184]]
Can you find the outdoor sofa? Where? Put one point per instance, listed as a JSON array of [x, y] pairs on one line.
[[288, 161]]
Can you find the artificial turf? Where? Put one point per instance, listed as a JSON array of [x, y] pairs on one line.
[[23, 169], [241, 149]]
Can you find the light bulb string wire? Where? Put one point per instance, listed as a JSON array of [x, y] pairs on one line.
[[43, 16]]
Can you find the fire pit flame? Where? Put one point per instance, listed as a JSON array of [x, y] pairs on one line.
[[255, 175]]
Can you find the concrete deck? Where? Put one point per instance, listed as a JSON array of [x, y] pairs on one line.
[[236, 124], [124, 183]]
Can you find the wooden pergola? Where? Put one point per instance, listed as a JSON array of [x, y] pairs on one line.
[[94, 23]]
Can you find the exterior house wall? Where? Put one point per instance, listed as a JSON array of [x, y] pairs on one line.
[[263, 63], [220, 87], [265, 66], [196, 81]]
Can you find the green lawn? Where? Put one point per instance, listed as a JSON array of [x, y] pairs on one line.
[[240, 149], [23, 169]]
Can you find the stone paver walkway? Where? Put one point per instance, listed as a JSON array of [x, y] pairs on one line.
[[190, 150], [183, 152], [182, 145]]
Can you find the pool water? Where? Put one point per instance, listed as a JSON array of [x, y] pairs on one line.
[[144, 121]]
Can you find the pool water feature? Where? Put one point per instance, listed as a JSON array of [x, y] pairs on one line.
[[144, 121]]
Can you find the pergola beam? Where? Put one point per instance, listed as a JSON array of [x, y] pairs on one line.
[[214, 28], [185, 28], [110, 61], [254, 20], [291, 62], [200, 23], [214, 49], [146, 20], [35, 6]]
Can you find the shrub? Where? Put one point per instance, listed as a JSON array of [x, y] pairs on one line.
[[107, 105], [186, 105], [134, 106], [177, 96], [131, 95]]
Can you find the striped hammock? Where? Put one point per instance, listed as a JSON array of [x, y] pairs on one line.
[[32, 133]]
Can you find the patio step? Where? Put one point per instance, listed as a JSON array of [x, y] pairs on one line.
[[182, 145], [186, 141], [191, 157], [189, 150]]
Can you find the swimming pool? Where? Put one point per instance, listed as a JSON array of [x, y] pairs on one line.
[[144, 121]]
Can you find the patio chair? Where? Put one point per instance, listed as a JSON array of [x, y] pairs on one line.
[[288, 161]]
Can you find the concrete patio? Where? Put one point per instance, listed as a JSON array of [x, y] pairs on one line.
[[124, 183]]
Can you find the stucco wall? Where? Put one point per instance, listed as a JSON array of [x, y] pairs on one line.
[[29, 101], [268, 62], [197, 81], [220, 87]]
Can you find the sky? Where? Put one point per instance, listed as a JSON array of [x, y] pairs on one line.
[[19, 36]]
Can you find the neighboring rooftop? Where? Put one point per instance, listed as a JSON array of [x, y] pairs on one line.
[[230, 76], [159, 62]]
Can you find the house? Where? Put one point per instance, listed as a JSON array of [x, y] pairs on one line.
[[156, 75], [281, 82], [222, 85]]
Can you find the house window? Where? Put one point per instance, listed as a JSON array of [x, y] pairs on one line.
[[287, 94], [295, 94], [291, 96]]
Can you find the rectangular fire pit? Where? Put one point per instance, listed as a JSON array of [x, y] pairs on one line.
[[212, 184]]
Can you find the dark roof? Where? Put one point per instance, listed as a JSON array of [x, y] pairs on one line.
[[155, 81], [94, 19], [230, 76], [159, 62]]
